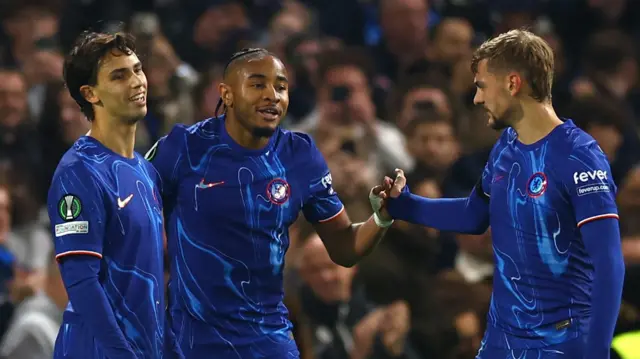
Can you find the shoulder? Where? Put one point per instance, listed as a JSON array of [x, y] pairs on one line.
[[507, 138], [298, 142]]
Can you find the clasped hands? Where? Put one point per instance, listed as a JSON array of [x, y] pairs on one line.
[[380, 194]]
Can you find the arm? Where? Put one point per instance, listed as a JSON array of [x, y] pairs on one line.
[[463, 215], [80, 276], [346, 242], [586, 177], [602, 241], [78, 216]]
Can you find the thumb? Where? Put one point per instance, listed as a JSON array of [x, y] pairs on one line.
[[398, 184]]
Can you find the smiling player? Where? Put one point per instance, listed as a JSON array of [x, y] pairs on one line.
[[232, 186], [105, 212], [548, 195]]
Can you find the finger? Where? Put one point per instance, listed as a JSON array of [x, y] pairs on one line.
[[388, 182], [398, 184], [377, 190]]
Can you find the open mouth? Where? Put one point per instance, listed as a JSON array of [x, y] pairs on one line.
[[270, 113], [139, 99]]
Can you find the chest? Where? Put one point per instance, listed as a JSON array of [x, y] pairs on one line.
[[258, 192], [527, 193], [135, 206]]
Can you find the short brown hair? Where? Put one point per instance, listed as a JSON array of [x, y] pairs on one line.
[[83, 62], [522, 51]]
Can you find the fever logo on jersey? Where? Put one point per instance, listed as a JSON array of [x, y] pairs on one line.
[[278, 191], [69, 207], [537, 184]]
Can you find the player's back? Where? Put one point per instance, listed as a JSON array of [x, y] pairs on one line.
[[543, 274], [228, 211], [108, 206]]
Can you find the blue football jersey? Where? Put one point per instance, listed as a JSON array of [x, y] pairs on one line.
[[104, 205], [540, 195], [228, 210]]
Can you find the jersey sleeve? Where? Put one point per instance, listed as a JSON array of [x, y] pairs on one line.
[[77, 212], [586, 176], [322, 203]]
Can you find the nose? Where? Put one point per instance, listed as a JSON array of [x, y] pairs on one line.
[[139, 80], [478, 99], [270, 94]]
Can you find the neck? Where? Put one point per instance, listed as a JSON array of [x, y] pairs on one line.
[[242, 136], [116, 135], [538, 120]]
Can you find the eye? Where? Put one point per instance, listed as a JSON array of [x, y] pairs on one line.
[[259, 86]]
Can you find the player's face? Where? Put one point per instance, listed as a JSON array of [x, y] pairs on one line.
[[259, 95], [121, 89], [492, 93]]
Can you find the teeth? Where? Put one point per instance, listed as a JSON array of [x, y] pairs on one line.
[[139, 97]]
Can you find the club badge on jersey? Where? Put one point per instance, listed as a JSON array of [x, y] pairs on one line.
[[278, 191], [537, 185]]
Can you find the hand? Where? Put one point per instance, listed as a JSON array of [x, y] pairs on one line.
[[396, 326], [364, 333], [391, 188]]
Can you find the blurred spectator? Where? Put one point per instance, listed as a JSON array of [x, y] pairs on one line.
[[343, 322], [35, 323], [432, 142], [404, 26], [345, 115], [61, 125]]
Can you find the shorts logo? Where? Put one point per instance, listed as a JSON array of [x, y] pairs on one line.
[[69, 207], [537, 185], [75, 227], [278, 191]]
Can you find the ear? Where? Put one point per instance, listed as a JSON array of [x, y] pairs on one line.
[[514, 83], [225, 94], [89, 94]]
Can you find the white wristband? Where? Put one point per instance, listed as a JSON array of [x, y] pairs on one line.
[[380, 223], [376, 205]]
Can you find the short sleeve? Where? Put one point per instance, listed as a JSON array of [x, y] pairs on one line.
[[590, 186], [77, 212], [322, 203], [165, 156]]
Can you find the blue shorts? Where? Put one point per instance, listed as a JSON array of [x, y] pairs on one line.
[[570, 349]]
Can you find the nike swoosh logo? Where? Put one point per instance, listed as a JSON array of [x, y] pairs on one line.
[[203, 185], [122, 204]]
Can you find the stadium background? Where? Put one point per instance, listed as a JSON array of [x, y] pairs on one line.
[[379, 84]]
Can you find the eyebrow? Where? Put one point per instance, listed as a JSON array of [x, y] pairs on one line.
[[264, 77], [137, 65]]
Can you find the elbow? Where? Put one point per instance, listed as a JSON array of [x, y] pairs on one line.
[[343, 261]]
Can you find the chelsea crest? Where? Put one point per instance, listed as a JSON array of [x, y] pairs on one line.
[[278, 191]]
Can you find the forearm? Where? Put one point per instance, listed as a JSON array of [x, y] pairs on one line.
[[462, 215], [602, 241], [90, 302], [355, 242]]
